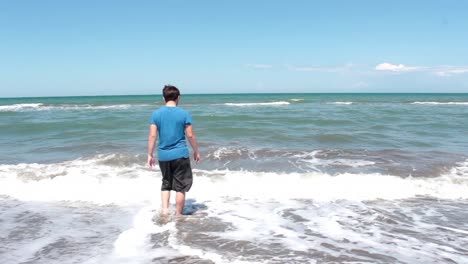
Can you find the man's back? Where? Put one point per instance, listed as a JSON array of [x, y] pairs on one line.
[[171, 123]]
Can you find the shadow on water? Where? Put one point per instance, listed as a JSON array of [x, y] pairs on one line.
[[191, 207]]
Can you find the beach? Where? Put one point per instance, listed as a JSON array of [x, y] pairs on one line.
[[284, 178]]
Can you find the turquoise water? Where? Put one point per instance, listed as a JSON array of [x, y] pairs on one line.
[[53, 129], [284, 178]]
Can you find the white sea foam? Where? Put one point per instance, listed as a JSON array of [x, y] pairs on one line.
[[79, 180], [91, 181], [341, 103], [92, 107], [296, 99], [339, 222], [20, 107], [259, 208], [134, 245], [224, 152], [440, 103], [64, 107], [336, 227], [310, 160], [258, 104], [323, 187], [31, 231]]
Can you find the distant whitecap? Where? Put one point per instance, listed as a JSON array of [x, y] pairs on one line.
[[440, 103], [258, 104], [341, 103]]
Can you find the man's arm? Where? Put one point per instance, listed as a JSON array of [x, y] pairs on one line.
[[193, 142], [153, 134]]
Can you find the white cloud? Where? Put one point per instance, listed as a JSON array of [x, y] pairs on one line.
[[443, 71], [260, 66], [360, 85], [450, 71], [395, 68], [339, 68], [309, 68], [350, 68]]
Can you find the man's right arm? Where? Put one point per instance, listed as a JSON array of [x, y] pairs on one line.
[[153, 133], [193, 142]]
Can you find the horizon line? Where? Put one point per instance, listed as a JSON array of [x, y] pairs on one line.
[[258, 93]]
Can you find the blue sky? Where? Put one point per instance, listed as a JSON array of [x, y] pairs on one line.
[[55, 48]]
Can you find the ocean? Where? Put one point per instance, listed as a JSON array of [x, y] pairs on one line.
[[284, 178]]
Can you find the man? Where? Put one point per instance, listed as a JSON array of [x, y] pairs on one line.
[[173, 125]]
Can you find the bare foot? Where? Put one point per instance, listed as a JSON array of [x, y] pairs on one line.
[[164, 211]]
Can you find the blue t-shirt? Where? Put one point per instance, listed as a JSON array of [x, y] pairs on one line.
[[171, 123]]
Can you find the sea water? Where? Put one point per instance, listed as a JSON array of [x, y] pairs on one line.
[[284, 178]]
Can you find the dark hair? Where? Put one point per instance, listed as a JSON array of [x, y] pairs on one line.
[[170, 93]]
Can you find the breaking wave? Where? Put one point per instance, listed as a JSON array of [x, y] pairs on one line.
[[258, 104], [103, 181], [44, 107], [341, 103], [440, 103]]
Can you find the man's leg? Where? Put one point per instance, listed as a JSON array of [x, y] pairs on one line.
[[180, 202], [165, 196]]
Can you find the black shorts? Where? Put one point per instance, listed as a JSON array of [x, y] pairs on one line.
[[177, 175]]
